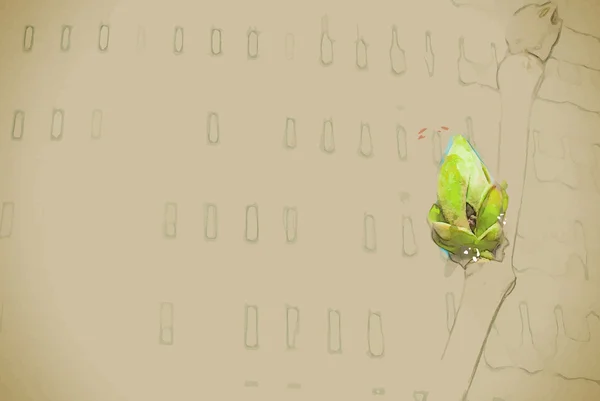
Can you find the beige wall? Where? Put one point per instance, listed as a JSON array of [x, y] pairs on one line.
[[85, 263]]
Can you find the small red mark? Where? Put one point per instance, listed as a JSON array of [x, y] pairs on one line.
[[421, 136]]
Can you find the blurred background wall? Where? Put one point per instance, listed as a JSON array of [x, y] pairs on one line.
[[226, 200]]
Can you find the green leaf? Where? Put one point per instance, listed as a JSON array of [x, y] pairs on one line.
[[487, 255], [452, 191], [435, 215], [456, 235], [491, 209]]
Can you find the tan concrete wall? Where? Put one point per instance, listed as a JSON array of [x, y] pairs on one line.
[[88, 253]]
